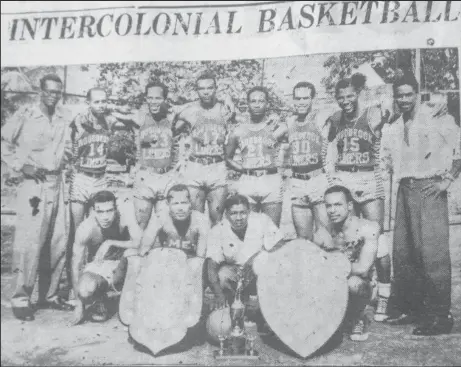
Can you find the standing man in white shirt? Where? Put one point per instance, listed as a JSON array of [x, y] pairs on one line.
[[426, 159]]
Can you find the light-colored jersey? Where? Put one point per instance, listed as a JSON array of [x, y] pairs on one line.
[[258, 146], [208, 129], [305, 142], [155, 144]]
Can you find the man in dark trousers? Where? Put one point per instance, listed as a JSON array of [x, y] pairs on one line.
[[426, 159]]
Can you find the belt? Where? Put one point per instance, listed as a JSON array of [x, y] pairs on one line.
[[206, 160], [302, 176], [412, 180], [156, 170], [355, 168], [260, 172], [92, 174]]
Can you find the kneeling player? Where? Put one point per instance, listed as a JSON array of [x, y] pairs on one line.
[[233, 245], [170, 281], [358, 239], [103, 237]]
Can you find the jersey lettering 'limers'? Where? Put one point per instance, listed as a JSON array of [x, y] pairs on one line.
[[357, 144], [156, 146], [259, 149], [92, 150], [305, 139], [208, 130]]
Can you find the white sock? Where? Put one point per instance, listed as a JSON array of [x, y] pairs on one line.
[[384, 290]]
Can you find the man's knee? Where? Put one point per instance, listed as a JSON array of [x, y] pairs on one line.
[[383, 246], [359, 286], [87, 287]]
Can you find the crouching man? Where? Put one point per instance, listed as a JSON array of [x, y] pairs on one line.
[[102, 238], [232, 246], [358, 239]]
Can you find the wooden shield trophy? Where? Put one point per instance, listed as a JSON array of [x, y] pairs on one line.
[[303, 294]]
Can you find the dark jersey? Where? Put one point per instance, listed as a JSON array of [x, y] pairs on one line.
[[305, 140], [356, 142], [91, 142]]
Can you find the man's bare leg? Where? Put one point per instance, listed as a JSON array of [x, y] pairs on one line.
[[374, 211], [303, 220], [217, 197], [320, 215], [274, 211], [143, 209], [198, 198]]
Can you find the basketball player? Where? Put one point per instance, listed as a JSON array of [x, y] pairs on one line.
[[308, 181], [207, 122], [90, 139], [356, 134], [157, 153], [103, 237], [181, 228], [358, 239], [259, 149]]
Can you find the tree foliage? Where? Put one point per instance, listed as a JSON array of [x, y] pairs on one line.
[[440, 69]]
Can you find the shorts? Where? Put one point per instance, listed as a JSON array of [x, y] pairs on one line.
[[83, 187], [206, 177], [113, 271], [314, 188], [264, 189], [153, 186], [364, 186]]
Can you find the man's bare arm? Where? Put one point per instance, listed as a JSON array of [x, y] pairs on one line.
[[81, 242], [369, 250], [202, 239], [213, 278], [230, 149], [150, 235]]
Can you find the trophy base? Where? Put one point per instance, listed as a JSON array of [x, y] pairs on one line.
[[227, 355]]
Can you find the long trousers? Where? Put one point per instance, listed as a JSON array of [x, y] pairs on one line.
[[421, 254], [40, 239]]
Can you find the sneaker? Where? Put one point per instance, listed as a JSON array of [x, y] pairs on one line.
[[381, 309], [360, 331], [100, 313]]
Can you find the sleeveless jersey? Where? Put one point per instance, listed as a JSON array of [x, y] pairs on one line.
[[155, 143], [259, 149], [169, 236], [305, 140], [357, 144], [92, 148], [208, 130]]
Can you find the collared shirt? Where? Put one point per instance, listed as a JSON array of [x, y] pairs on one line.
[[224, 246], [29, 137], [433, 144]]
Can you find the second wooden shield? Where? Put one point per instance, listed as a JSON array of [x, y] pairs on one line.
[[303, 294]]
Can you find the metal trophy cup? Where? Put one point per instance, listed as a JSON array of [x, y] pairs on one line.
[[240, 344]]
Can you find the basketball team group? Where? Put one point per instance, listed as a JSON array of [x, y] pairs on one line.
[[206, 203]]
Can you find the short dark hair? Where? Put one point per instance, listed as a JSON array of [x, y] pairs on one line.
[[236, 200], [177, 188], [91, 90], [258, 88], [305, 85], [159, 84], [339, 188], [51, 77], [103, 196], [343, 84], [206, 75], [406, 79], [358, 80]]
